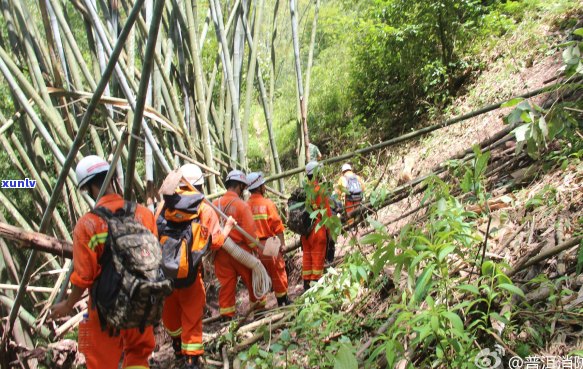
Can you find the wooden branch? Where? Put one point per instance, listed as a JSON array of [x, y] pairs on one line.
[[37, 241]]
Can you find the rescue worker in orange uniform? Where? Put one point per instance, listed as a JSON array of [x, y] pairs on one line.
[[183, 309], [351, 199], [268, 224], [227, 268], [105, 351], [314, 244]]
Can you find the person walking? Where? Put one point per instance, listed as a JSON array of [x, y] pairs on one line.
[[268, 224], [89, 240], [314, 244], [185, 213], [350, 189], [227, 268]]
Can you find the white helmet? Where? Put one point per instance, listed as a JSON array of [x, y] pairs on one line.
[[311, 166], [88, 167], [255, 180], [346, 167], [192, 174], [236, 175]]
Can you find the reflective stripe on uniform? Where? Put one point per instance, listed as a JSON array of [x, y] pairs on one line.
[[175, 333], [227, 310], [260, 217], [281, 294], [97, 239], [317, 272], [192, 346], [307, 272], [136, 367]]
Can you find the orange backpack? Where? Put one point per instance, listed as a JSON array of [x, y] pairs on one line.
[[184, 242]]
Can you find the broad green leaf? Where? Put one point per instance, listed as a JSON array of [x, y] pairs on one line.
[[345, 359], [487, 267], [455, 320], [512, 102], [276, 347], [446, 251], [578, 32], [434, 323], [512, 288], [422, 283], [470, 288], [520, 132]]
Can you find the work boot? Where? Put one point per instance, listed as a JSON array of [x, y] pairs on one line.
[[225, 319], [283, 301], [177, 346], [192, 362], [306, 285]]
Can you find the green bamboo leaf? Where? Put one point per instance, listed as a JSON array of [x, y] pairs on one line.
[[578, 32]]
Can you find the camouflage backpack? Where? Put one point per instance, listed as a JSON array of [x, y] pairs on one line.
[[298, 220], [130, 291]]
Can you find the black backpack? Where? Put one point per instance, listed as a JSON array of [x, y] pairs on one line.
[[298, 220], [130, 291], [184, 242]]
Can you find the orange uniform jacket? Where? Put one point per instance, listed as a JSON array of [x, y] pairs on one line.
[[227, 269], [314, 244], [184, 308], [269, 224], [89, 237]]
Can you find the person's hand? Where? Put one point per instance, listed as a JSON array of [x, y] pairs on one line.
[[229, 224], [60, 310]]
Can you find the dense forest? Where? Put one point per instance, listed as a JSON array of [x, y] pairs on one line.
[[463, 117]]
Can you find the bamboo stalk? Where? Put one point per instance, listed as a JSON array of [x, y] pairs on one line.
[[301, 101], [140, 102], [200, 95], [220, 30], [311, 54]]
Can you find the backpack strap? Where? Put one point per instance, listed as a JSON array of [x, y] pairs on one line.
[[102, 212], [129, 208]]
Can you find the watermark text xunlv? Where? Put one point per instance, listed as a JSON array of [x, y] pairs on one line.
[[18, 183]]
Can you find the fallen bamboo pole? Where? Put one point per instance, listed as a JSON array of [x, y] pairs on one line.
[[419, 132], [37, 241], [547, 254], [14, 287]]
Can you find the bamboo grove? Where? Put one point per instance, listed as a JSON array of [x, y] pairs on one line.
[[144, 84]]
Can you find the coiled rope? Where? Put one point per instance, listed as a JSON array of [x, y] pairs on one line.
[[261, 280]]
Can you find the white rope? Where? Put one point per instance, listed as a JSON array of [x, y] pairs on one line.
[[261, 280]]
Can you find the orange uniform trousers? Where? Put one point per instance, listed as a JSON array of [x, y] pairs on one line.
[[275, 266], [227, 269], [182, 316], [314, 248], [105, 351]]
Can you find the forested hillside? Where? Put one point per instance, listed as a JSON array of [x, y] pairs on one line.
[[464, 119]]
